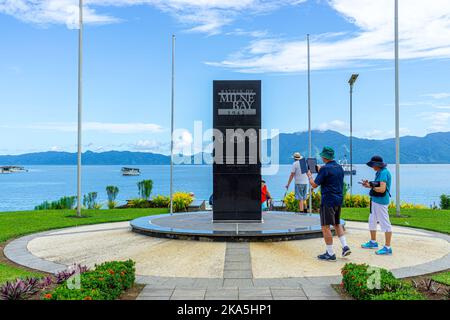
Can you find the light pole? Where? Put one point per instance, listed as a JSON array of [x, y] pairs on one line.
[[80, 104], [172, 123], [309, 119], [351, 82], [397, 116]]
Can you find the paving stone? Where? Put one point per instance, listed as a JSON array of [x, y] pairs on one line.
[[237, 257], [222, 293], [289, 298], [237, 274], [256, 298], [189, 292], [255, 291], [288, 293], [267, 283], [326, 298], [238, 283], [152, 292], [208, 283], [238, 266], [152, 298], [187, 298], [319, 291]]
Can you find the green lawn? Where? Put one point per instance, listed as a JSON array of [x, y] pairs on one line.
[[434, 220], [443, 278], [8, 273], [16, 224]]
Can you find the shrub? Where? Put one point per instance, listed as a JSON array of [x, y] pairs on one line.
[[161, 201], [112, 192], [445, 202], [106, 282], [405, 205], [66, 274], [356, 279], [90, 201], [61, 204], [356, 201], [292, 204], [181, 200], [139, 203], [145, 188], [19, 289]]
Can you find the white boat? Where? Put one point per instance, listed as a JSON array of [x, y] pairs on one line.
[[348, 170], [12, 169], [130, 171]]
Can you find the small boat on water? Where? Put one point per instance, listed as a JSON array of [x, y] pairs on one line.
[[12, 169], [348, 170], [130, 171]]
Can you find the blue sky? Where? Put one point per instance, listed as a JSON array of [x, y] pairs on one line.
[[127, 67]]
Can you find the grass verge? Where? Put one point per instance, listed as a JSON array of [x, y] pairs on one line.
[[433, 220], [16, 224]]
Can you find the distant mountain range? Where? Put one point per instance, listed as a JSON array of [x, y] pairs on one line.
[[433, 148]]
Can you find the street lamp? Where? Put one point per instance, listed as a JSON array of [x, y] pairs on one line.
[[351, 82]]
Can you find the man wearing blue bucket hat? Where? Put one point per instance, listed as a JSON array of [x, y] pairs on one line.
[[379, 205], [331, 181]]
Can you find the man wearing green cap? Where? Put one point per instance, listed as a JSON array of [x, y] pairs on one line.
[[331, 180]]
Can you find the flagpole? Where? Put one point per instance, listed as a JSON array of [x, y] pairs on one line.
[[80, 104], [309, 119], [397, 114], [172, 123]]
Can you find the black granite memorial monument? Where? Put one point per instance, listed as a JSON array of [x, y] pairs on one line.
[[237, 165]]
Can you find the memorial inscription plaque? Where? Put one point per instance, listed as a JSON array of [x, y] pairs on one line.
[[237, 165]]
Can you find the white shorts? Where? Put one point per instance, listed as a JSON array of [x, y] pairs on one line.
[[379, 214]]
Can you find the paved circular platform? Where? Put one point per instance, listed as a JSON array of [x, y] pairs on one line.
[[177, 269], [276, 226]]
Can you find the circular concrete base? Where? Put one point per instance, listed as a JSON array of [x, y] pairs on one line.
[[416, 252], [276, 226]]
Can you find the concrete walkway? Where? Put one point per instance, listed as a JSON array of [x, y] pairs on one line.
[[175, 269]]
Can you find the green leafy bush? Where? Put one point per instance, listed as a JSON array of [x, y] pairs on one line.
[[61, 204], [292, 204], [139, 203], [106, 282], [445, 202], [90, 201], [181, 200], [356, 201], [145, 188], [112, 192], [161, 201], [363, 282]]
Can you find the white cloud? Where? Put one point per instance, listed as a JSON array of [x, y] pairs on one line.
[[438, 96], [335, 125], [439, 121], [424, 30], [207, 16], [383, 134], [119, 128]]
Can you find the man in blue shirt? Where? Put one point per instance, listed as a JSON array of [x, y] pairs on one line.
[[379, 208], [331, 181]]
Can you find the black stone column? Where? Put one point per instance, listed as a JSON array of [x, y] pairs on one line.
[[237, 165]]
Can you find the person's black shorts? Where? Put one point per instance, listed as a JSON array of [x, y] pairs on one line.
[[330, 216]]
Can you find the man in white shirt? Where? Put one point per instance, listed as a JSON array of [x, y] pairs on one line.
[[301, 182]]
